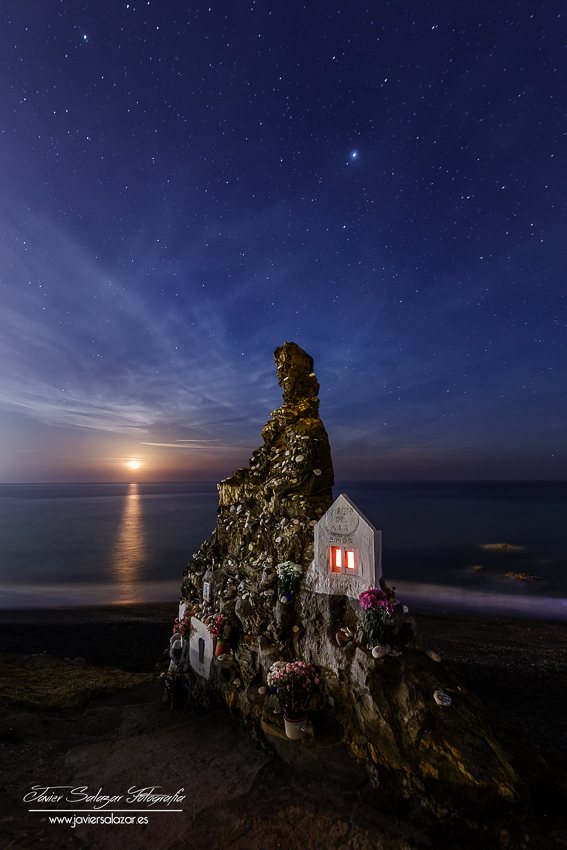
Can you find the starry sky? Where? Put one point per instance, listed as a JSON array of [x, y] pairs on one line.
[[187, 185]]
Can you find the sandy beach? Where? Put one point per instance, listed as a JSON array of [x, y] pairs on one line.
[[518, 668]]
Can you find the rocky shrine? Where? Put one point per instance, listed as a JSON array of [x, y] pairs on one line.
[[391, 720]]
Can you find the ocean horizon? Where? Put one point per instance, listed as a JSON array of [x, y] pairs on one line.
[[69, 545]]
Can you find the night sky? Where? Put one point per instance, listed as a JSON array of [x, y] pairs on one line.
[[185, 186]]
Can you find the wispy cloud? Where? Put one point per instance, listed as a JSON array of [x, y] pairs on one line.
[[97, 354], [192, 445]]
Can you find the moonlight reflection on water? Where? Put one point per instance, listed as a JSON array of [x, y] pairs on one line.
[[129, 553]]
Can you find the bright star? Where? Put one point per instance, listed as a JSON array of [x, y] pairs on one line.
[[354, 154]]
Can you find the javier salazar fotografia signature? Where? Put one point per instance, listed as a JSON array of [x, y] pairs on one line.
[[149, 797]]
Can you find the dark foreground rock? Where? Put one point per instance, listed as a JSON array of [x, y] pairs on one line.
[[235, 795]]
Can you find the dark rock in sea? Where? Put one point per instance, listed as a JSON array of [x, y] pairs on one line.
[[375, 722]]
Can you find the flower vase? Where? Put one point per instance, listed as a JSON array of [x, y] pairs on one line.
[[222, 648], [286, 596], [295, 729]]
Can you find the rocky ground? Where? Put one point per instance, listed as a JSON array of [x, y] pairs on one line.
[[236, 795]]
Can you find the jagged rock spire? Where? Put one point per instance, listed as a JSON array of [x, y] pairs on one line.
[[267, 510]]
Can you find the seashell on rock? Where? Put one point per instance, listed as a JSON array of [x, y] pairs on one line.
[[296, 629], [317, 472], [442, 699], [313, 523], [433, 655], [263, 690], [299, 458], [380, 651]]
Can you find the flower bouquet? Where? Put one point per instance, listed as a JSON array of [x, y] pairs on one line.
[[293, 682], [288, 578], [222, 627], [379, 607], [183, 627]]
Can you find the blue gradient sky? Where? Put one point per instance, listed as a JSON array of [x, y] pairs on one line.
[[183, 189]]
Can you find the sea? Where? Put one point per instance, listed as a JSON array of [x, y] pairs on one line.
[[447, 546]]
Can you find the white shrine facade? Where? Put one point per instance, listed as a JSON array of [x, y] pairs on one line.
[[347, 552]]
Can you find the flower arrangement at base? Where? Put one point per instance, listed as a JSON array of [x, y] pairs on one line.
[[379, 606], [223, 628], [183, 627], [294, 682], [288, 577]]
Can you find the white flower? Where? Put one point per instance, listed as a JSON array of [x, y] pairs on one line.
[[277, 665], [288, 569]]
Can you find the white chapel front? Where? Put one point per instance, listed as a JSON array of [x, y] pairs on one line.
[[347, 552]]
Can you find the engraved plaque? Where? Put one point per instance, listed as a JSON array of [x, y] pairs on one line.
[[341, 520]]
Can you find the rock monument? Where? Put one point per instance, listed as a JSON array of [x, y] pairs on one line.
[[391, 719]]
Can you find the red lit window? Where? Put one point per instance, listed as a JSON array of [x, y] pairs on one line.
[[336, 559], [343, 560]]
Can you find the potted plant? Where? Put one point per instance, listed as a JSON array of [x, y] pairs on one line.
[[288, 578], [379, 607], [294, 682], [222, 627]]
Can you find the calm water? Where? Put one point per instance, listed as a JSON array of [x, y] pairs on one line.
[[69, 544]]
